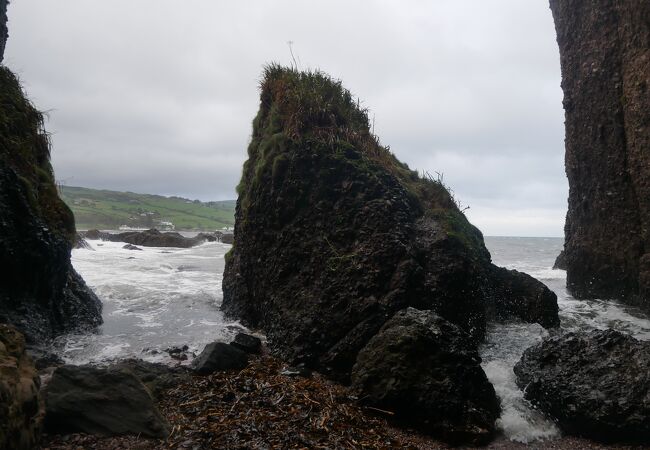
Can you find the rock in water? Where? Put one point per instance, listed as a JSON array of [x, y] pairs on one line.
[[595, 385], [333, 234], [219, 356], [424, 369], [605, 60], [21, 408], [104, 401], [40, 293]]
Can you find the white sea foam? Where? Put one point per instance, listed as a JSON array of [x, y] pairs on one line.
[[153, 299], [505, 343]]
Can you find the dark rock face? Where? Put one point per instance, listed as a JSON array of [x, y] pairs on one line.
[[21, 407], [605, 59], [424, 369], [150, 238], [105, 401], [4, 33], [596, 384], [41, 294], [333, 234], [219, 356]]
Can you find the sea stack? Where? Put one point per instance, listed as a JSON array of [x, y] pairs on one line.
[[605, 60], [334, 236], [40, 294]]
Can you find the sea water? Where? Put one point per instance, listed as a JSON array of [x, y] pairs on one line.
[[505, 343], [157, 298]]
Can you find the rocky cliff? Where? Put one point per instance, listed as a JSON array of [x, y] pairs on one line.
[[40, 293], [334, 235], [605, 60], [4, 34]]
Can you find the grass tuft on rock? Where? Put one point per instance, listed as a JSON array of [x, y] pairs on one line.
[[312, 112]]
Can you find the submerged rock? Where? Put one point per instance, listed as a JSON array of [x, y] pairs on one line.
[[595, 385], [424, 369], [41, 294], [333, 235], [219, 356], [605, 61], [21, 408], [104, 401], [131, 247]]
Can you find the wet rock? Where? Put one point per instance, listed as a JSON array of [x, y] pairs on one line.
[[81, 243], [149, 238], [422, 368], [247, 343], [131, 247], [156, 377], [219, 356], [595, 384], [605, 62], [104, 401], [560, 261], [43, 358], [227, 238], [518, 295], [21, 408], [178, 353]]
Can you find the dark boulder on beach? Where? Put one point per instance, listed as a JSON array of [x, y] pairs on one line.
[[41, 294], [425, 370], [605, 60], [333, 234], [155, 376], [21, 407], [218, 356], [247, 343], [105, 401], [595, 385]]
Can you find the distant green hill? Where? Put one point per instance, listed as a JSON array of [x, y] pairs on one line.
[[101, 209]]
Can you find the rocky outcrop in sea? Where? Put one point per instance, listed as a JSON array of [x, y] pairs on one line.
[[605, 60], [334, 235], [595, 384]]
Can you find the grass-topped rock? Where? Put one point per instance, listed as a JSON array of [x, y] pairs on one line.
[[40, 294], [334, 235]]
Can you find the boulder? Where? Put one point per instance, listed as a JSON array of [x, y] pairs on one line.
[[103, 401], [247, 343], [156, 377], [131, 247], [21, 408], [518, 295], [218, 356], [605, 62], [40, 294], [423, 368], [333, 234], [227, 238], [595, 385]]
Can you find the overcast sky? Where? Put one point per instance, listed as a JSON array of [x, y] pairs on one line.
[[157, 96]]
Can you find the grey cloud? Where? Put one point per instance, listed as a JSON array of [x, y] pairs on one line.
[[158, 96]]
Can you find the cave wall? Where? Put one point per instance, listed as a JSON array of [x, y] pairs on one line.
[[605, 61]]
